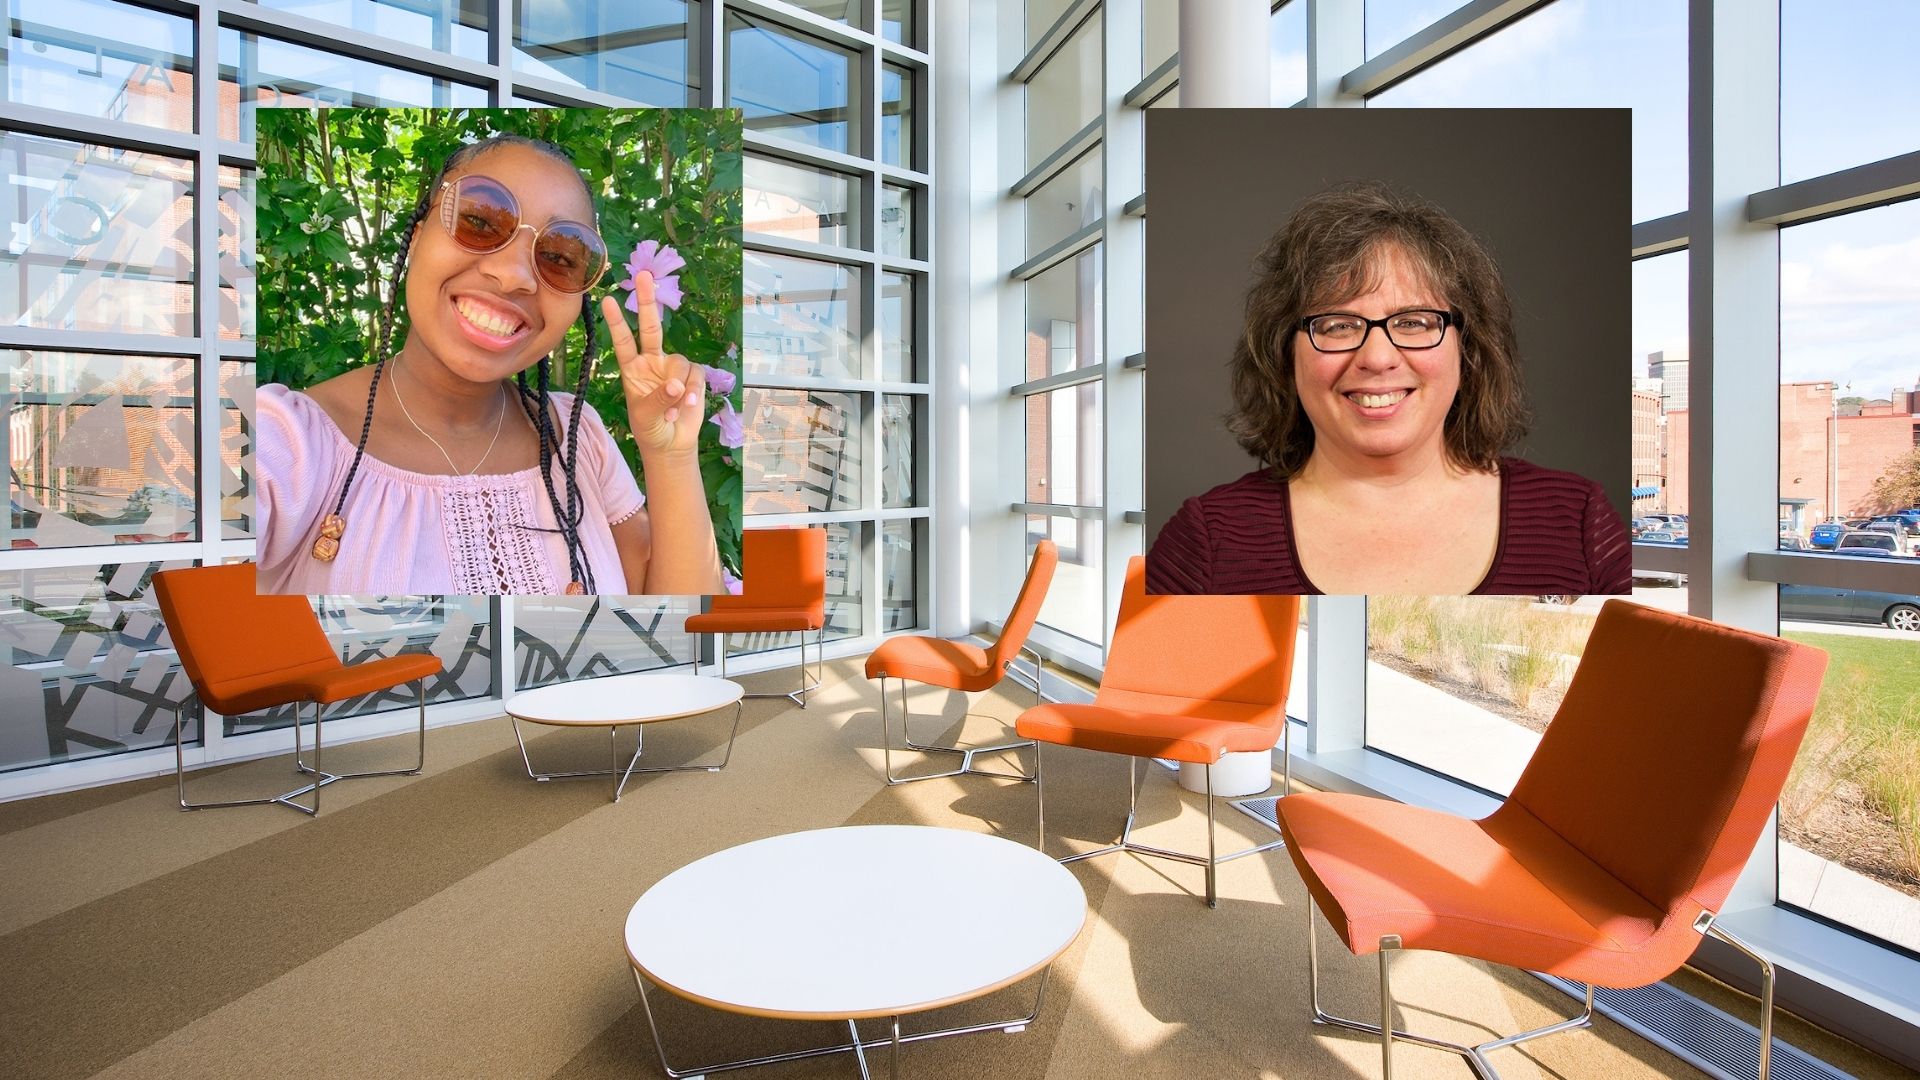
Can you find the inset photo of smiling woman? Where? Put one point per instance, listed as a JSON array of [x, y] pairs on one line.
[[499, 351], [1389, 351]]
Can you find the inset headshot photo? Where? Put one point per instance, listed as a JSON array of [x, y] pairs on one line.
[[1388, 351], [498, 351]]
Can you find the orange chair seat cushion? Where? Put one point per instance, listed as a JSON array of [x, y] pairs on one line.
[[1504, 889], [759, 620], [232, 697], [369, 677], [323, 681], [1199, 731], [955, 665]]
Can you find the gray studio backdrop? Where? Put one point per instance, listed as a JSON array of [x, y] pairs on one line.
[[1547, 190]]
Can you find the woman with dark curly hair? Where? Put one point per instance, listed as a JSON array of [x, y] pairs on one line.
[[452, 465], [1377, 383]]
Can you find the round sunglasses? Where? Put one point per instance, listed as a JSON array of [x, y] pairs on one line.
[[482, 216]]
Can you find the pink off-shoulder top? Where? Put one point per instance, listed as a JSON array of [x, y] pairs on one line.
[[419, 533]]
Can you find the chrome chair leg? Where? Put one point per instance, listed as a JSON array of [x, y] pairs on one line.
[[798, 697], [420, 756], [1475, 1055], [285, 798], [1707, 924], [1210, 861], [967, 753]]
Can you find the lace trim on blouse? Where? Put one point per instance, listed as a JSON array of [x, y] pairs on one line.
[[494, 542]]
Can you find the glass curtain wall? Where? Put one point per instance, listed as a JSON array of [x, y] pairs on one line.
[[1462, 689], [126, 346], [1059, 371]]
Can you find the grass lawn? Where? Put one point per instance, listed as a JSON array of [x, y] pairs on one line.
[[1866, 731], [1895, 664]]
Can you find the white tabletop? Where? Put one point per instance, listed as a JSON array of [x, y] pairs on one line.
[[868, 920], [623, 699]]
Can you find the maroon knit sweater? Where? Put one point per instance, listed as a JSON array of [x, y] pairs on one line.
[[1558, 535]]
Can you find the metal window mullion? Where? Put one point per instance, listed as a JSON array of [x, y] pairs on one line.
[[868, 118], [1733, 271], [55, 339], [121, 134], [500, 52], [529, 85], [1123, 266], [1873, 184], [312, 33], [761, 143], [803, 249], [1065, 510], [806, 22], [1451, 32], [1070, 377], [1055, 37], [206, 252], [1158, 81], [1659, 236], [1061, 159], [1336, 45], [928, 424], [1074, 244], [504, 612], [908, 175], [710, 53]]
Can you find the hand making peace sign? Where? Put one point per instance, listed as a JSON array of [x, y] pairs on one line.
[[665, 391]]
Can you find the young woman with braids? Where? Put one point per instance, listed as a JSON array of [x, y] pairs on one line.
[[452, 465]]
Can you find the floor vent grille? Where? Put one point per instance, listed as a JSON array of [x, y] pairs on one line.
[[1709, 1039]]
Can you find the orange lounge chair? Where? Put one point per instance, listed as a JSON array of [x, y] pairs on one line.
[[1189, 678], [957, 665], [783, 588], [244, 652], [1619, 844]]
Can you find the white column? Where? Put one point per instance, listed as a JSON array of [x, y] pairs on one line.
[[1223, 55], [1223, 64]]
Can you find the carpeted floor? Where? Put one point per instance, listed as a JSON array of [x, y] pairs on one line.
[[467, 922]]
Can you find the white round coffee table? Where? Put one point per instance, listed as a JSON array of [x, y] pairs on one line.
[[808, 926], [616, 701]]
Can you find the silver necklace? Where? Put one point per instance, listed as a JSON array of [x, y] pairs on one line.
[[499, 419]]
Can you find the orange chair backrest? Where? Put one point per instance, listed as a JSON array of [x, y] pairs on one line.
[[784, 569], [1670, 749], [1219, 648], [1026, 607], [224, 630]]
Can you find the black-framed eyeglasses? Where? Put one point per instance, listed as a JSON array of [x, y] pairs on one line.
[[1415, 328]]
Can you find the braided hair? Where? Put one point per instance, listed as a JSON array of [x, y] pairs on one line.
[[535, 400]]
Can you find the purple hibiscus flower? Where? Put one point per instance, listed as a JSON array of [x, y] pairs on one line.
[[664, 264], [720, 381], [732, 430]]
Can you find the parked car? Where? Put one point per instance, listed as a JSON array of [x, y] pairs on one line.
[[1660, 538], [1826, 535], [1903, 524], [1789, 542], [1863, 539], [1902, 543], [1820, 603]]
